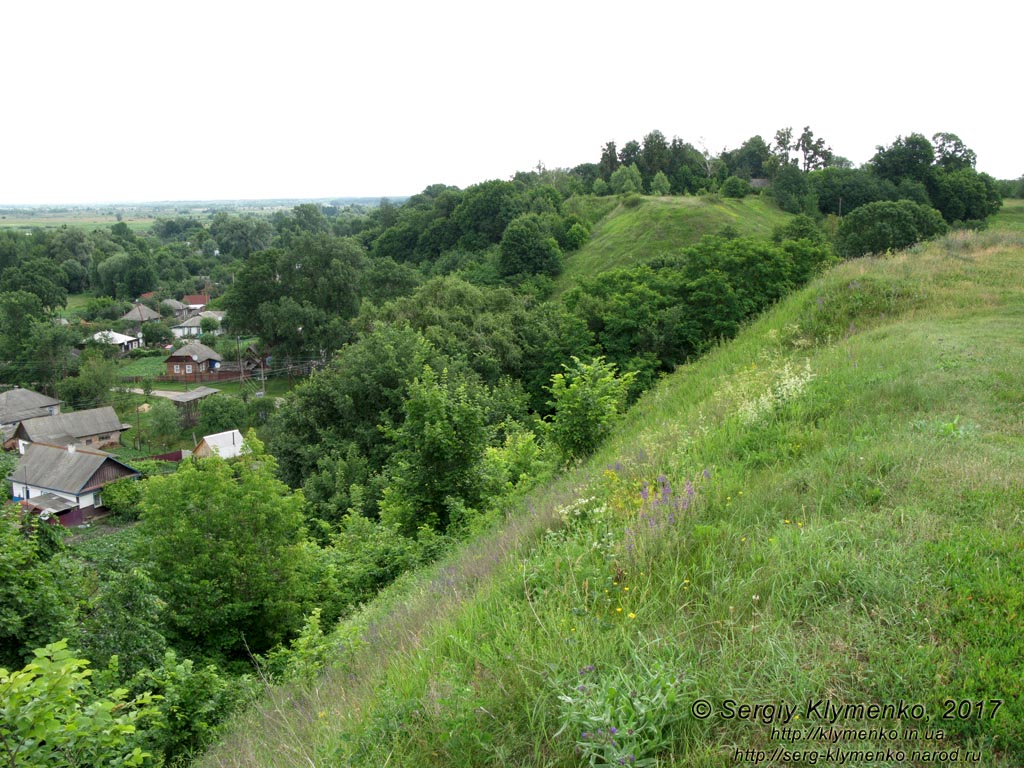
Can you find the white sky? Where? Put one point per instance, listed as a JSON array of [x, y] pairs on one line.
[[140, 101]]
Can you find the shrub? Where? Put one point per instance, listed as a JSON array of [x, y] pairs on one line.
[[586, 399], [736, 187], [883, 226]]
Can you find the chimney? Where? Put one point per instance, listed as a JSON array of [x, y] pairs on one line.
[[71, 448]]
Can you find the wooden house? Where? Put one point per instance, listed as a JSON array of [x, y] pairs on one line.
[[193, 362], [65, 482]]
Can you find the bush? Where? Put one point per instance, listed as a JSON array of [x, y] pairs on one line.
[[886, 226], [586, 399], [735, 187]]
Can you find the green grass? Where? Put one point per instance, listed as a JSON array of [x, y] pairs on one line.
[[1010, 216], [657, 226], [854, 535]]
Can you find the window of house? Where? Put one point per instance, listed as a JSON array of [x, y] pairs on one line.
[[188, 369], [177, 368]]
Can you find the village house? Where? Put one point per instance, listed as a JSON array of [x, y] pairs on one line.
[[227, 445], [121, 341], [196, 301], [193, 326], [19, 404], [64, 483], [95, 428], [193, 362], [140, 313], [175, 307]]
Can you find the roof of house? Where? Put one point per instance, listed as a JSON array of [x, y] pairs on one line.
[[195, 351], [68, 469], [113, 337], [173, 304], [67, 428], [140, 313], [227, 445], [196, 299], [196, 320], [18, 404]]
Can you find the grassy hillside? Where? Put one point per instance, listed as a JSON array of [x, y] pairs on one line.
[[826, 512], [647, 227]]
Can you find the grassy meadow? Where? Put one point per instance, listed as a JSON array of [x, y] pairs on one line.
[[639, 229], [826, 511]]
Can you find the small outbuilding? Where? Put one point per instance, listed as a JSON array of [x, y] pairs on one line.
[[227, 445]]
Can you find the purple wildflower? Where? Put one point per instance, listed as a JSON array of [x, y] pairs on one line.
[[707, 474], [645, 491], [689, 490]]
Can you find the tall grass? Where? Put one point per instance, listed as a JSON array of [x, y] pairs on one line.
[[826, 508]]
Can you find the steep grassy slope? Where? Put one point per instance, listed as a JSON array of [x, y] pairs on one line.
[[828, 509], [648, 227]]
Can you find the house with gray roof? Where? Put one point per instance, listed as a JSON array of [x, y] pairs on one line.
[[193, 326], [193, 362], [65, 482], [93, 428], [140, 313], [19, 404]]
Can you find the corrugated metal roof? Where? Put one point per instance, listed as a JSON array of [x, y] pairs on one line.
[[65, 469], [78, 424]]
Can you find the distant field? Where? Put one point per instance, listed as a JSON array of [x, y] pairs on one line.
[[91, 219]]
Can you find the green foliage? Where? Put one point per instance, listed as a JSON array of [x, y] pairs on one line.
[[35, 608], [52, 717], [660, 185], [193, 701], [155, 333], [586, 399], [122, 498], [527, 248], [91, 388], [435, 470], [801, 227], [123, 620], [222, 413], [735, 187], [624, 717], [626, 179], [164, 422], [884, 226], [222, 544]]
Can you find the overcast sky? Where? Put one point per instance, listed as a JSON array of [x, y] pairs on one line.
[[144, 101]]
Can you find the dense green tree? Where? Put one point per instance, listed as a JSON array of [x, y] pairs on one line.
[[157, 333], [92, 386], [626, 179], [223, 546], [884, 226], [951, 154], [126, 275], [41, 277], [123, 619], [221, 413], [527, 248], [791, 190], [435, 470], [654, 157], [909, 158], [484, 212], [963, 194], [736, 187], [35, 608], [840, 190], [660, 185], [240, 236], [164, 422], [748, 162], [344, 403]]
